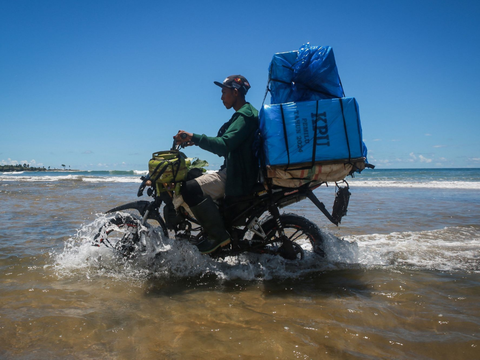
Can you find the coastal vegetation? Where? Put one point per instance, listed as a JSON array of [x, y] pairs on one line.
[[24, 167]]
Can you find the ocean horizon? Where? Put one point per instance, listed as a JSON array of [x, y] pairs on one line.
[[447, 178]]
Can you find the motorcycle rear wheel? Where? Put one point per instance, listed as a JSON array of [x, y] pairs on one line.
[[296, 228]]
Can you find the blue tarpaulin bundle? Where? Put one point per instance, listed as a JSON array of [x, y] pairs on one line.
[[311, 131], [309, 120], [280, 77], [307, 74]]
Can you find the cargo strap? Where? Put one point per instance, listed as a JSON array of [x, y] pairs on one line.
[[314, 147], [174, 165], [285, 136], [346, 134], [324, 93], [160, 173]]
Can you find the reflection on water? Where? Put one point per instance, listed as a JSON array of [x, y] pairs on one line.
[[401, 281]]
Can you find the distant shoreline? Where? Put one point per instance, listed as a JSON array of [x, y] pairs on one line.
[[22, 169]]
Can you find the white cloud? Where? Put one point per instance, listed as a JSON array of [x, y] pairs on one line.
[[15, 162], [424, 159], [9, 162]]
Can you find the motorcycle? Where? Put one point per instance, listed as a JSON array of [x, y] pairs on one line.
[[254, 222]]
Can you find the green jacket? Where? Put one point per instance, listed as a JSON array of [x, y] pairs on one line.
[[236, 146]]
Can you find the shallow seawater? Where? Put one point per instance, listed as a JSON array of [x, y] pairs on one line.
[[401, 280]]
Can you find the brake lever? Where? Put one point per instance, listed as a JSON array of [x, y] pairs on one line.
[[181, 145], [174, 146]]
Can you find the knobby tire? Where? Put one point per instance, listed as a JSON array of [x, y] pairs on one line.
[[296, 228]]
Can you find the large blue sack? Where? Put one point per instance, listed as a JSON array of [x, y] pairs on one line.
[[308, 74], [311, 131], [280, 76]]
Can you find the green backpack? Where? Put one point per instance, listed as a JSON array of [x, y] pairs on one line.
[[167, 168]]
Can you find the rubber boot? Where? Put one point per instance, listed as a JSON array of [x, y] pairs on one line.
[[209, 216]]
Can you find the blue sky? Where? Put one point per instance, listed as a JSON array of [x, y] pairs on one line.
[[103, 84]]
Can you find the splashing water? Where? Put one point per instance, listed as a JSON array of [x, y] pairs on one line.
[[170, 258], [449, 249]]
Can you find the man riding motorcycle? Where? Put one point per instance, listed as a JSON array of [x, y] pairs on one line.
[[238, 174]]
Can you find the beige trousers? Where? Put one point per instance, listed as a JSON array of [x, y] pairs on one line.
[[213, 184]]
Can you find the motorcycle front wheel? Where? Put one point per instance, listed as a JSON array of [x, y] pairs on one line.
[[122, 234], [300, 231]]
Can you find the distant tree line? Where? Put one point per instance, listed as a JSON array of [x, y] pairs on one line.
[[24, 167]]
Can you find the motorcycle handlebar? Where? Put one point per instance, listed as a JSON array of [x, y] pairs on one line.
[[176, 146], [143, 185]]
